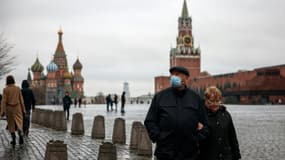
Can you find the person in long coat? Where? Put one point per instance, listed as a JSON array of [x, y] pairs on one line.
[[75, 102], [29, 101], [222, 143], [66, 103], [0, 100], [123, 102], [108, 101], [13, 106], [176, 120], [79, 102], [116, 102]]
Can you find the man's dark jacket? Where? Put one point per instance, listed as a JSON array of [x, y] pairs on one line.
[[0, 99], [29, 99], [222, 143], [28, 96], [66, 102], [123, 99], [172, 122]]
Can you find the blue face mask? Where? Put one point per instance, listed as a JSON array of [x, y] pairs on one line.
[[175, 81]]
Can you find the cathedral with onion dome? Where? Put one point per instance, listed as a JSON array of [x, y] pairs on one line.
[[50, 88]]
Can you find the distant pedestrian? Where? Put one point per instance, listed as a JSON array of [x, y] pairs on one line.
[[13, 106], [222, 142], [75, 102], [29, 101], [0, 100], [108, 101], [111, 102], [66, 104], [79, 102], [116, 102], [123, 102]]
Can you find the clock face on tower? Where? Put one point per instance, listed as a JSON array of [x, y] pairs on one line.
[[187, 40]]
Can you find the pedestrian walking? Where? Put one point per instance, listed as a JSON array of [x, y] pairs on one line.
[[116, 102], [222, 141], [108, 101], [29, 101], [123, 102], [75, 102], [176, 120], [12, 106], [111, 102], [0, 100], [79, 102], [66, 103]]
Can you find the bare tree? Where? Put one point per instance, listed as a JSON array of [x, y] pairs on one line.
[[6, 60]]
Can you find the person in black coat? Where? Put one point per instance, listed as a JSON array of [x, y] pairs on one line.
[[29, 101], [222, 143], [177, 120], [0, 100], [116, 102], [108, 101], [66, 104], [123, 102], [79, 102], [75, 102]]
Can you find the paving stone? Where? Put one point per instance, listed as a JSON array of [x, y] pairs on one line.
[[260, 131]]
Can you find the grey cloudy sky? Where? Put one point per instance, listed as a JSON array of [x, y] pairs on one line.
[[129, 40]]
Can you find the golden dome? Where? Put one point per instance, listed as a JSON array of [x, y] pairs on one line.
[[67, 75]]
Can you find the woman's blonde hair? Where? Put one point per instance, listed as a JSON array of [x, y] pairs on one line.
[[213, 96]]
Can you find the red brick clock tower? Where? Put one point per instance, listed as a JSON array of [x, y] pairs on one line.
[[184, 54]]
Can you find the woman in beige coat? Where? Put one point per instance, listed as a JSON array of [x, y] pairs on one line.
[[13, 106]]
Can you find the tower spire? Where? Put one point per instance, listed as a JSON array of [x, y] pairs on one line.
[[60, 56], [184, 13], [60, 33], [59, 49]]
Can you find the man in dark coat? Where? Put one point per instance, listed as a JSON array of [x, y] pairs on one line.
[[177, 119], [0, 100], [29, 101], [116, 102], [79, 102], [108, 101], [111, 102], [66, 103], [123, 102], [75, 102]]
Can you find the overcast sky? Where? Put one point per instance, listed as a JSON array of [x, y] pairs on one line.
[[129, 40]]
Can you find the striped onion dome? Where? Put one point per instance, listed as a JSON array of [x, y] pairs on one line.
[[52, 67], [37, 66]]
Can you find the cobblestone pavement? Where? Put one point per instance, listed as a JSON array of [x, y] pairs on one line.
[[260, 130], [79, 147]]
